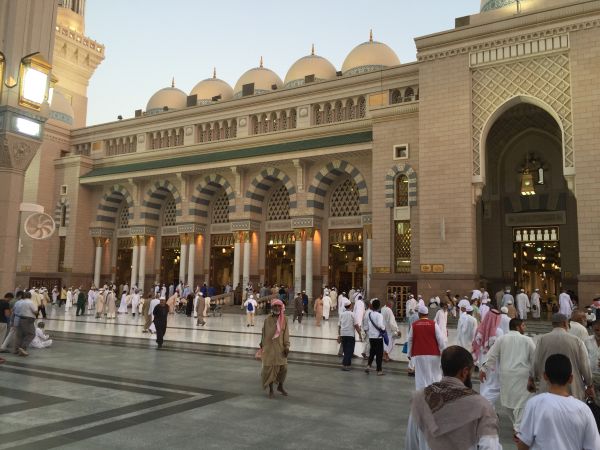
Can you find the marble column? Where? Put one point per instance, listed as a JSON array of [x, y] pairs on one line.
[[134, 261], [114, 251], [236, 259], [246, 264], [191, 261], [142, 265], [182, 257], [298, 234], [368, 266], [309, 263], [98, 260]]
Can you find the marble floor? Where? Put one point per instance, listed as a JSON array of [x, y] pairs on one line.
[[227, 330], [100, 392]]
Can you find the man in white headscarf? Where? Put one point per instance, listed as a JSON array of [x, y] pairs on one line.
[[326, 305], [389, 320], [523, 304], [507, 297], [411, 306], [565, 304], [467, 326], [535, 304]]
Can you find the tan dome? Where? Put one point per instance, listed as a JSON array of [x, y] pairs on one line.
[[262, 78], [369, 56], [169, 97], [60, 109], [312, 64], [212, 87]]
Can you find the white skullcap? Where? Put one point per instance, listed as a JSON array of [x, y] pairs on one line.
[[411, 296], [469, 308], [346, 303], [423, 309], [464, 303], [504, 310], [251, 296]]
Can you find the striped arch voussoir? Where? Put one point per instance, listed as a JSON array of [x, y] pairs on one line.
[[261, 185], [63, 202], [205, 192], [327, 176], [390, 180], [111, 202], [155, 197]]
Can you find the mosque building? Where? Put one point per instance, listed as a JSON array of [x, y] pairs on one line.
[[475, 165]]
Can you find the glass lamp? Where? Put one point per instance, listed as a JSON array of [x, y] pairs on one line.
[[527, 187], [34, 75]]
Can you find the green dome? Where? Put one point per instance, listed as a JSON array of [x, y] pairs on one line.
[[488, 5]]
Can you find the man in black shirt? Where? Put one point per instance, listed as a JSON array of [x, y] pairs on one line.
[[5, 312], [160, 313]]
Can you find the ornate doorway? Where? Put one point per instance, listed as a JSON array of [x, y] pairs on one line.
[[346, 259]]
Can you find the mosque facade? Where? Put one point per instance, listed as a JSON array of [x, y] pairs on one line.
[[475, 165]]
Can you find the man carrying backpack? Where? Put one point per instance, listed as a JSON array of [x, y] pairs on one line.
[[250, 305]]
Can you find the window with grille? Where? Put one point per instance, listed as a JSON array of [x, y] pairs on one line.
[[402, 238], [396, 96], [169, 211], [279, 204], [344, 200], [401, 190], [123, 217], [220, 210]]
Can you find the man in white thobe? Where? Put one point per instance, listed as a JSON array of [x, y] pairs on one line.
[[425, 345], [333, 294], [592, 344], [91, 300], [512, 356], [467, 326], [484, 308], [341, 301], [522, 304], [506, 297], [411, 306], [326, 305], [135, 302], [578, 324], [564, 304], [420, 301], [392, 330], [535, 304], [153, 303], [441, 319], [504, 320]]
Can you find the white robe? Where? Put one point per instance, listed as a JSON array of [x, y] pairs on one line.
[[411, 307], [441, 319], [504, 323], [153, 303], [91, 300], [565, 305], [69, 299], [428, 368], [490, 389], [505, 299], [326, 306], [123, 305], [523, 305], [391, 327], [334, 299], [340, 303], [467, 326], [41, 340], [576, 329], [535, 305], [135, 303], [483, 310]]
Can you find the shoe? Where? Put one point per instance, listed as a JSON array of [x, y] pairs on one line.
[[367, 370], [248, 325], [22, 352], [411, 374], [346, 369], [380, 374]]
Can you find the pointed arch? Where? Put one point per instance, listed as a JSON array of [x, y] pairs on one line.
[[154, 199], [261, 185], [110, 204], [62, 212], [390, 179], [327, 176], [205, 192]]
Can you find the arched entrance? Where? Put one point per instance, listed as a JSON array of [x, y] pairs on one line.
[[527, 216]]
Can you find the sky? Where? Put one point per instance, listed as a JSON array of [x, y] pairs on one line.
[[148, 42]]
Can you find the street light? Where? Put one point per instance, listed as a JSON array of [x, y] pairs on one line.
[[34, 74]]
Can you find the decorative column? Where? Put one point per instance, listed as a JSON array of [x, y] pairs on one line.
[[246, 265], [191, 261], [98, 260], [236, 259], [142, 266], [298, 261], [134, 261], [183, 239], [309, 234], [368, 267], [114, 251]]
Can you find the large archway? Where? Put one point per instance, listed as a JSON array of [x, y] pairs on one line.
[[527, 216]]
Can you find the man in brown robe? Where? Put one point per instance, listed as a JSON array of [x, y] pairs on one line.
[[560, 341], [275, 344], [449, 414], [200, 309], [318, 310]]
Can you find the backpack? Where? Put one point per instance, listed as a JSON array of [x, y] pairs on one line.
[[250, 307]]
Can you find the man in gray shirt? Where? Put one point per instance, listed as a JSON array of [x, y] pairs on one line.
[[24, 312]]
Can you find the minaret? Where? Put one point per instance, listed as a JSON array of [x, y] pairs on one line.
[[76, 57]]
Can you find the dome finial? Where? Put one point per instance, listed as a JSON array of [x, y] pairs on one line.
[[261, 62], [173, 82], [371, 35], [312, 51], [214, 72]]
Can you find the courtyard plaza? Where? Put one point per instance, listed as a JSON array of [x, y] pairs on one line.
[[104, 385]]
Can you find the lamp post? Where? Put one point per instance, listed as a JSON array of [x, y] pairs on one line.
[[27, 34]]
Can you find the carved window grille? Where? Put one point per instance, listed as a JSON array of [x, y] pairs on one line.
[[222, 240], [362, 107], [344, 200], [401, 190], [220, 211], [281, 237], [169, 212], [279, 204], [170, 242], [317, 113], [284, 120], [350, 111], [328, 113], [292, 119], [273, 122], [338, 116], [396, 96], [402, 240], [123, 217], [409, 94], [345, 236]]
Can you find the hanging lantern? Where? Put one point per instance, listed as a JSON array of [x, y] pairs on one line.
[[527, 187]]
